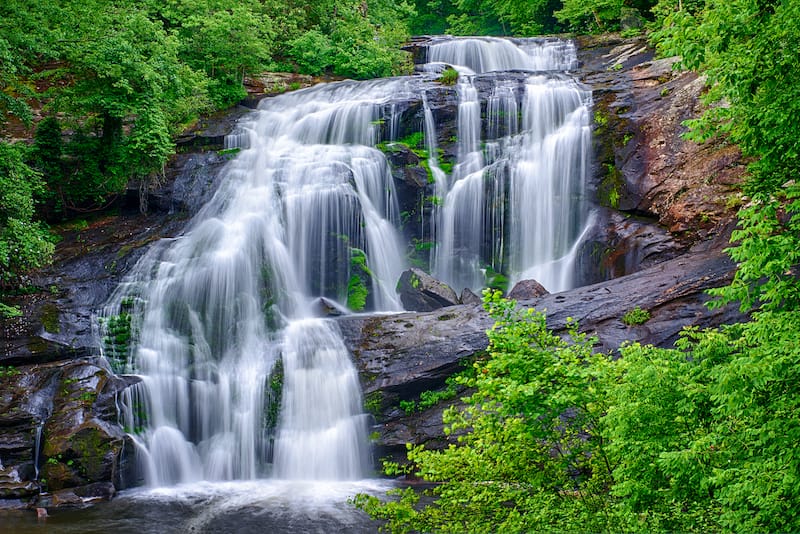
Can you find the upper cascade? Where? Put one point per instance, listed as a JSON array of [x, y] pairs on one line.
[[492, 54]]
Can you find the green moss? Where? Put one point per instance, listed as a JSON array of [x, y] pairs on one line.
[[9, 312], [7, 371], [357, 285], [449, 76], [116, 338], [415, 281], [49, 318], [496, 280], [92, 447], [414, 140], [610, 187], [356, 293], [273, 397], [434, 200]]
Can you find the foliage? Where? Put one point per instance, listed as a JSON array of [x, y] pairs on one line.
[[636, 316], [9, 312], [429, 398], [117, 81], [699, 438], [485, 17], [358, 39], [25, 244], [357, 291], [591, 15], [8, 371], [449, 76], [528, 459]]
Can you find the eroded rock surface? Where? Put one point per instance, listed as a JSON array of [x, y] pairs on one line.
[[399, 356], [647, 167], [419, 291]]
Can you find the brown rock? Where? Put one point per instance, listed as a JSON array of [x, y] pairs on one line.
[[527, 289]]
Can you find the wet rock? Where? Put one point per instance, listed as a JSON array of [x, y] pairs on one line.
[[399, 356], [644, 165], [419, 291], [527, 289], [323, 307], [60, 417], [421, 428], [209, 132], [469, 297], [620, 244]]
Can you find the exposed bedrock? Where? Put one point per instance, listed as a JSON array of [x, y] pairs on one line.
[[400, 356]]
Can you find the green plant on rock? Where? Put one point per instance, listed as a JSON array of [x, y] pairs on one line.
[[449, 76], [527, 458], [361, 275], [7, 371], [273, 398], [9, 312], [636, 316]]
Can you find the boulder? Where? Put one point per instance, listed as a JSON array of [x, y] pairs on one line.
[[527, 289], [58, 421], [419, 291], [324, 307], [468, 296]]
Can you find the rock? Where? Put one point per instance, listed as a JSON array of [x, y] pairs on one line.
[[324, 307], [419, 291], [399, 356], [527, 289], [66, 409], [645, 166], [469, 297]]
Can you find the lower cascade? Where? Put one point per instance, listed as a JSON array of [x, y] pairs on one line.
[[239, 378]]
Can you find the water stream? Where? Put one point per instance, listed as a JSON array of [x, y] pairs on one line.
[[240, 379]]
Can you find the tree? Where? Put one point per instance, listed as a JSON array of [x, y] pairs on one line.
[[25, 244], [530, 456]]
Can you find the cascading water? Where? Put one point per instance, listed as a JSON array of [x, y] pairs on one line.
[[539, 152], [216, 310], [239, 379]]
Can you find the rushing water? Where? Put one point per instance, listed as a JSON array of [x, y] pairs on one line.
[[240, 381]]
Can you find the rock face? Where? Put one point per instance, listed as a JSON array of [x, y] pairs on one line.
[[646, 167], [419, 291], [401, 355], [58, 431]]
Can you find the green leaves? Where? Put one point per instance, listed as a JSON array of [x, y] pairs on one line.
[[700, 438], [24, 243]]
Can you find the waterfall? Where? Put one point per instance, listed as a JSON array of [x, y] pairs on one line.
[[223, 311], [239, 379], [517, 203]]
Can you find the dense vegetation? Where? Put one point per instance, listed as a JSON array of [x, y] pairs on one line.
[[106, 85]]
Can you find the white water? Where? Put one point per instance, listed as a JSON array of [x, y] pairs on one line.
[[220, 311], [538, 149], [220, 306]]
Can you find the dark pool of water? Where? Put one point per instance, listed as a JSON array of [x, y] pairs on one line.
[[268, 506]]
